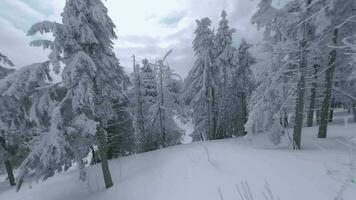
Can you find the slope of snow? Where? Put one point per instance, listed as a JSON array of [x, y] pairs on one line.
[[323, 170]]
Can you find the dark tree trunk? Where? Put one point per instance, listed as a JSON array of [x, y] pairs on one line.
[[299, 112], [324, 118], [10, 173], [331, 115], [312, 98], [317, 113], [244, 114], [104, 160]]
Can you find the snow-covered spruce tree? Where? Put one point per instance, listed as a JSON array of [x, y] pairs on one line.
[[25, 102], [305, 36], [120, 132], [146, 99], [224, 63], [94, 81], [158, 104], [270, 101], [199, 92], [338, 15], [4, 71], [169, 103], [244, 82]]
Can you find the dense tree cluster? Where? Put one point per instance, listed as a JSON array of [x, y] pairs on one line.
[[303, 69]]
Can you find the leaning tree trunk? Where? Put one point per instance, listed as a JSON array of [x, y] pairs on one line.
[[10, 173], [104, 160], [312, 98], [325, 109]]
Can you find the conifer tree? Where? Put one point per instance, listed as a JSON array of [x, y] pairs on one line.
[[245, 83], [199, 92], [224, 63], [94, 81]]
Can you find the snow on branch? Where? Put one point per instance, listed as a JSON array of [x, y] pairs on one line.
[[46, 44], [44, 27]]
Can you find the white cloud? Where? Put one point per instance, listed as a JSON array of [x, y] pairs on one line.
[[145, 28], [15, 45]]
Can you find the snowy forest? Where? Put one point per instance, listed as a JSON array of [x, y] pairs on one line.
[[271, 118]]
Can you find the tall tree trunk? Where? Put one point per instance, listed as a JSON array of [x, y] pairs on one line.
[[221, 125], [244, 114], [10, 173], [101, 136], [139, 108], [104, 160], [312, 97], [210, 97], [299, 113], [162, 119], [324, 118]]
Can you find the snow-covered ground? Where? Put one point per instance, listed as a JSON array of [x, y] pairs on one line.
[[323, 170]]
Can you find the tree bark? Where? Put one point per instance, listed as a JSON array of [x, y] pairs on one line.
[[244, 114], [210, 96], [139, 108], [317, 113], [299, 112], [324, 118], [10, 173], [312, 98], [162, 118], [104, 161]]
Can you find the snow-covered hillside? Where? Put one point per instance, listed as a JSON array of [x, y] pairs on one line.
[[216, 170]]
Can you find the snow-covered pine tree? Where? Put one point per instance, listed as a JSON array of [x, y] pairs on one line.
[[305, 36], [244, 82], [277, 79], [199, 91], [120, 132], [25, 102], [148, 138], [338, 15], [224, 62], [169, 104], [159, 105], [94, 81]]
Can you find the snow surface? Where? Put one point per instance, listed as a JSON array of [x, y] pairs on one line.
[[321, 171]]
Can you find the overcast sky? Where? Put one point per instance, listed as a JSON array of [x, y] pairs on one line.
[[146, 28]]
